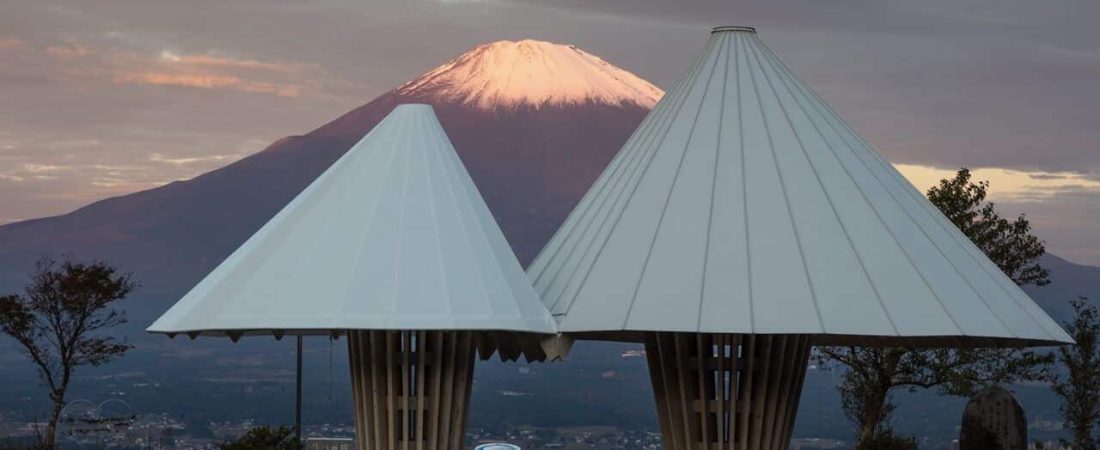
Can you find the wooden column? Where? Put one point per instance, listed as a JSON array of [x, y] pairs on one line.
[[726, 391], [411, 388]]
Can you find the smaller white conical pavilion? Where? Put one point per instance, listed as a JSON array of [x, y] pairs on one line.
[[393, 246], [393, 236]]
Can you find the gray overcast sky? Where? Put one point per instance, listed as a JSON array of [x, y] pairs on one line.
[[102, 98]]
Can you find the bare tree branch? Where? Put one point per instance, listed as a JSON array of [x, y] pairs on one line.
[[56, 319]]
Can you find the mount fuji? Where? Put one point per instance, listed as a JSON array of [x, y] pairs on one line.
[[534, 122]]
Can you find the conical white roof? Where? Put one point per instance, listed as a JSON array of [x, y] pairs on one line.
[[393, 236], [744, 204]]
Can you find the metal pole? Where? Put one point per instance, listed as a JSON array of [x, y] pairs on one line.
[[298, 395]]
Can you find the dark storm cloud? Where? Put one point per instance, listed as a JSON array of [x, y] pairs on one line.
[[107, 97]]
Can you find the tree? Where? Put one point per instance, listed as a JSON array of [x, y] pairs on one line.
[[58, 323], [265, 438], [1009, 244], [873, 373], [1080, 392]]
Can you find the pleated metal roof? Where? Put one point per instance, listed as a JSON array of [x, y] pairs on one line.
[[393, 236], [744, 204]]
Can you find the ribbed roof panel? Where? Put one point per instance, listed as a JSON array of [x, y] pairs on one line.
[[393, 236], [744, 204]]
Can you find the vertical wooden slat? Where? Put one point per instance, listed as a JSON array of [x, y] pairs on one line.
[[447, 392], [683, 383], [701, 358], [369, 390], [436, 395], [719, 377], [378, 388], [421, 372], [457, 392], [735, 342], [405, 346], [784, 392], [727, 391], [671, 414], [744, 408], [716, 380], [760, 390], [467, 382], [356, 396], [391, 389], [411, 388], [779, 430], [660, 394], [802, 361], [672, 384], [778, 357]]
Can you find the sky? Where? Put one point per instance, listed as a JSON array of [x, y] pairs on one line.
[[103, 98]]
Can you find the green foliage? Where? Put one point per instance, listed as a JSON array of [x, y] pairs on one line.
[[887, 440], [1080, 390], [265, 438], [58, 319], [1009, 244], [873, 373]]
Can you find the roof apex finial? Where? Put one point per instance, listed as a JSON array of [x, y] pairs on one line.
[[732, 28]]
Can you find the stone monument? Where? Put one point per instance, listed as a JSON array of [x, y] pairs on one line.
[[993, 420]]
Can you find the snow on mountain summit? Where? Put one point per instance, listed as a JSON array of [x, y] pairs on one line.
[[530, 72]]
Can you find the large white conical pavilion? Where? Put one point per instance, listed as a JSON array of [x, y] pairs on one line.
[[744, 204], [743, 222], [394, 247]]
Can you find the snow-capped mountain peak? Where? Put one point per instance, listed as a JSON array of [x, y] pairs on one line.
[[532, 73]]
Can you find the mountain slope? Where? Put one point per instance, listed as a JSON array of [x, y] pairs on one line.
[[532, 157], [1067, 282]]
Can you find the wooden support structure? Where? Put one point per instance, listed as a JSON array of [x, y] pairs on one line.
[[726, 391], [411, 388]]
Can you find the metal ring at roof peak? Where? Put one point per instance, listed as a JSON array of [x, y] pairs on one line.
[[732, 28]]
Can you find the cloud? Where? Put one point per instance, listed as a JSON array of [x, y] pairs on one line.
[[157, 157], [81, 61], [40, 168], [221, 61], [10, 43], [58, 176], [30, 172], [1008, 184], [207, 81]]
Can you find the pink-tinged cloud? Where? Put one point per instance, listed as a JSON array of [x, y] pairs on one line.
[[200, 71], [7, 43], [207, 81], [218, 61]]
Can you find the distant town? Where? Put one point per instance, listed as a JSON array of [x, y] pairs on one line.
[[113, 424], [162, 432]]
